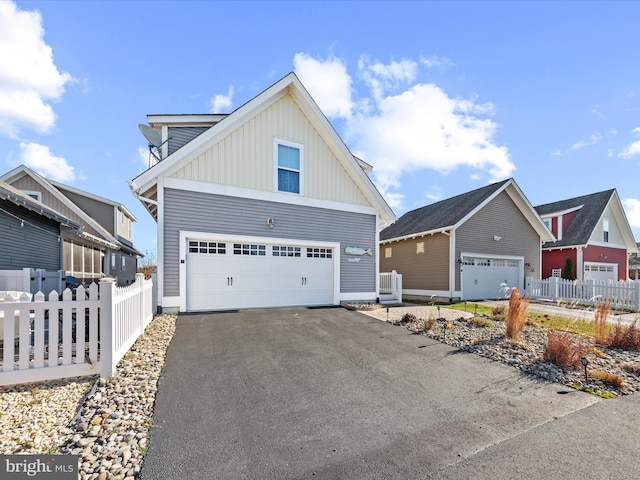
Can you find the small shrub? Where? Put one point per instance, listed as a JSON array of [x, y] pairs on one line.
[[564, 350], [517, 314], [409, 318], [600, 327], [429, 324], [625, 337], [631, 368], [608, 378], [481, 322]]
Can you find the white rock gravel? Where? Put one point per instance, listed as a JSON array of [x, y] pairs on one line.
[[105, 422]]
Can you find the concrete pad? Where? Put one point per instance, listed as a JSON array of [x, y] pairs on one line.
[[330, 393]]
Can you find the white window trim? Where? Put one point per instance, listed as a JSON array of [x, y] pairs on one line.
[[288, 143], [34, 194], [605, 228]]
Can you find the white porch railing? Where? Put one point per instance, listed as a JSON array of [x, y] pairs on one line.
[[624, 295], [85, 335], [391, 285]]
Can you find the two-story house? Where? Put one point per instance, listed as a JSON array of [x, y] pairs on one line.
[[593, 232], [104, 244], [264, 207]]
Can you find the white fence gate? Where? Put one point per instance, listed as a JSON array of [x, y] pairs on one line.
[[85, 333], [624, 295], [390, 288]]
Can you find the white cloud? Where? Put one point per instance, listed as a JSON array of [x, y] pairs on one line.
[[328, 82], [223, 103], [632, 210], [434, 193], [631, 150], [593, 139], [39, 158], [436, 62], [29, 79], [403, 126], [381, 77]]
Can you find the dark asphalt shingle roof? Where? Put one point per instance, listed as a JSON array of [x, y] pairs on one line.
[[444, 213], [581, 227]]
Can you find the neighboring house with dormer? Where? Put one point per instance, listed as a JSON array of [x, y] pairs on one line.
[[477, 245], [104, 246], [591, 230], [263, 207]]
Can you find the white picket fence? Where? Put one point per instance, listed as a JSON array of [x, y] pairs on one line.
[[82, 334], [624, 295]]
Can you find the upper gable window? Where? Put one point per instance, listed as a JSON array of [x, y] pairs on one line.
[[34, 194], [605, 230], [288, 167]]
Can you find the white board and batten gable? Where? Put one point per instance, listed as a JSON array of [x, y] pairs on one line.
[[272, 176]]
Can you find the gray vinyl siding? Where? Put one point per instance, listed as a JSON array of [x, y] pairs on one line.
[[184, 210], [35, 245], [99, 211], [500, 217], [179, 136], [420, 271]]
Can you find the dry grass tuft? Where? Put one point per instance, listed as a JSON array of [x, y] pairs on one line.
[[597, 352], [481, 322], [631, 368], [564, 350], [608, 378], [625, 337], [499, 312], [517, 314], [600, 327], [428, 324]]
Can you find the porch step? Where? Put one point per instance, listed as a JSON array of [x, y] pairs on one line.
[[388, 299]]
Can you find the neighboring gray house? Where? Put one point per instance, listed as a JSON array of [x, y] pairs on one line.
[[256, 208], [104, 246], [31, 232], [470, 247]]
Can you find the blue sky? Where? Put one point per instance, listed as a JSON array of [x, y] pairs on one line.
[[440, 97]]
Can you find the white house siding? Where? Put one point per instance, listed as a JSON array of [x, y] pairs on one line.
[[203, 212], [499, 217], [615, 235], [245, 157]]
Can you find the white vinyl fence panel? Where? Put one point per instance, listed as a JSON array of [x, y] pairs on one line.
[[71, 335]]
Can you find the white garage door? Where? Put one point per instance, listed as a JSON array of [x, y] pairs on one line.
[[600, 271], [228, 275], [489, 278]]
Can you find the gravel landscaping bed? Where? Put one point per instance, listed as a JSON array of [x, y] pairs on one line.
[[525, 354], [105, 422]]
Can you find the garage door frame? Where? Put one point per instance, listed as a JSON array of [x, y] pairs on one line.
[[518, 258], [186, 235]]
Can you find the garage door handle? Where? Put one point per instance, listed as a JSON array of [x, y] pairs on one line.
[[304, 280], [230, 281]]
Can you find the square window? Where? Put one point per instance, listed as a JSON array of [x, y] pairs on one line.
[[289, 168]]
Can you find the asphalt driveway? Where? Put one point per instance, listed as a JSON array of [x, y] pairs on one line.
[[330, 393]]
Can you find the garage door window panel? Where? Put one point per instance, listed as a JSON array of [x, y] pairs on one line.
[[249, 249]]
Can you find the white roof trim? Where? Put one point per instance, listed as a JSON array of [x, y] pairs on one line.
[[561, 212], [289, 84]]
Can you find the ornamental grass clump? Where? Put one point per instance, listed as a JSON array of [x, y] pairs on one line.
[[600, 327], [564, 350], [608, 378], [516, 314], [625, 337]]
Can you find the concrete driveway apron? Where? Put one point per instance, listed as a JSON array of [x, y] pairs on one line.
[[330, 393]]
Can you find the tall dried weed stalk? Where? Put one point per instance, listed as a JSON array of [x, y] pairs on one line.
[[516, 314], [564, 350], [625, 337], [600, 327]]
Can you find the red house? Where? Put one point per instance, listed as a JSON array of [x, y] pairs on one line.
[[592, 231]]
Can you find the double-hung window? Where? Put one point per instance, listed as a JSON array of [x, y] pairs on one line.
[[289, 167], [605, 230]]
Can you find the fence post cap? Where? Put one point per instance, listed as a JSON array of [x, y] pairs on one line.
[[107, 280]]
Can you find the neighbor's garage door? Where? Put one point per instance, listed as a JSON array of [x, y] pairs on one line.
[[600, 271], [489, 278], [227, 275]]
